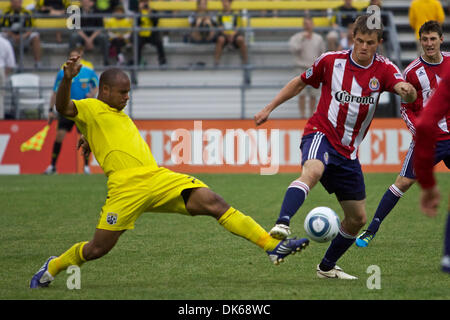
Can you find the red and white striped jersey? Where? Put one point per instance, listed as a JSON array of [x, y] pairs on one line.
[[350, 94], [425, 77]]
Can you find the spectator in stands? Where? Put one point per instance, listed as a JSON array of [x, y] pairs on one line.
[[422, 11], [119, 40], [306, 47], [347, 15], [106, 6], [347, 41], [7, 64], [12, 19], [90, 38], [146, 20], [53, 8], [228, 21], [202, 24]]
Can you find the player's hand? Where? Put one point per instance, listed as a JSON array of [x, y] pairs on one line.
[[261, 116], [72, 67], [429, 201], [84, 145], [406, 91]]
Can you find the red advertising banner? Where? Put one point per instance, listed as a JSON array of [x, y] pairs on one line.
[[207, 146]]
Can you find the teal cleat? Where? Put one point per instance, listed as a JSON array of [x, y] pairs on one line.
[[363, 239]]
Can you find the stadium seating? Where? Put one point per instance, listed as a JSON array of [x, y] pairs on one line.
[[185, 76], [257, 5]]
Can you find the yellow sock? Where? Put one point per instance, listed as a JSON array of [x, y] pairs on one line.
[[236, 222], [72, 257]]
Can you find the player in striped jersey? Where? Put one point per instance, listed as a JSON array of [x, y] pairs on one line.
[[426, 143], [424, 73], [352, 82]]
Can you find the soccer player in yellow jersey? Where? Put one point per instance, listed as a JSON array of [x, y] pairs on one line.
[[135, 182]]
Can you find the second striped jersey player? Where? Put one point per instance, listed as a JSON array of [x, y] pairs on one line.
[[424, 73]]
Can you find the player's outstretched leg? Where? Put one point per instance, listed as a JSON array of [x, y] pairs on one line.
[[203, 201], [54, 265], [79, 253]]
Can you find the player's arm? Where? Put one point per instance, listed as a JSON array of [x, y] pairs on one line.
[[63, 103], [407, 112], [291, 89], [406, 91]]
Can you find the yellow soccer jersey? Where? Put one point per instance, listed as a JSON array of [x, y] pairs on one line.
[[112, 135]]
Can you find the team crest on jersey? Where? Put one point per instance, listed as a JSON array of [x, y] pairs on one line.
[[374, 84], [309, 73], [111, 218]]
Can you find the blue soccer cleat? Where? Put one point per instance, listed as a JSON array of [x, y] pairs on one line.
[[42, 278], [285, 248], [363, 239]]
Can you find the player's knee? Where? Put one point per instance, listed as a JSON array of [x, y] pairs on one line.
[[216, 205], [359, 221], [313, 173], [404, 183], [213, 204], [94, 251]]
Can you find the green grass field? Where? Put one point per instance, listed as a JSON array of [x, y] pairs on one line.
[[174, 257]]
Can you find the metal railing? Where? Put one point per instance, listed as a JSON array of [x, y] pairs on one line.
[[393, 50]]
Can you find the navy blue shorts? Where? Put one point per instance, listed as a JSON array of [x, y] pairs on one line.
[[442, 153], [342, 176]]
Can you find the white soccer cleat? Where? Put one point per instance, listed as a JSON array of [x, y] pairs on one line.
[[50, 170], [87, 170], [335, 273], [280, 231]]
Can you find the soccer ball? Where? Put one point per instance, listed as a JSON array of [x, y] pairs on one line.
[[322, 224]]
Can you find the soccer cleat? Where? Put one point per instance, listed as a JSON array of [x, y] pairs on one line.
[[87, 170], [363, 239], [50, 170], [280, 231], [336, 273], [285, 248], [42, 278]]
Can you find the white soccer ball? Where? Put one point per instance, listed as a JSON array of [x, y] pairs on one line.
[[322, 224]]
